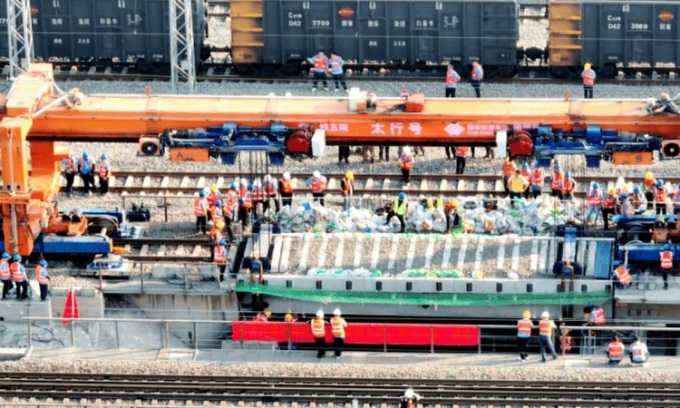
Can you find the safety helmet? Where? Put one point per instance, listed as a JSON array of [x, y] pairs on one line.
[[616, 263], [557, 166], [213, 188], [611, 191], [286, 175], [86, 155], [218, 203], [201, 193], [250, 187], [43, 263], [401, 196], [623, 196], [664, 247], [453, 203], [233, 186], [103, 156], [596, 185], [406, 150], [649, 175], [545, 315], [636, 189], [525, 165], [659, 183], [526, 314], [223, 242], [244, 182], [268, 313], [219, 224], [409, 393], [336, 312], [267, 177], [316, 174], [16, 258], [241, 200], [536, 165], [349, 175], [567, 174], [586, 66], [319, 313], [257, 183], [5, 255]]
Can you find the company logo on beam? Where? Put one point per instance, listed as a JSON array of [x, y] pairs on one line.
[[454, 129], [666, 16], [346, 12]]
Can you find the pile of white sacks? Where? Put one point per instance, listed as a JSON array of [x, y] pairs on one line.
[[524, 217]]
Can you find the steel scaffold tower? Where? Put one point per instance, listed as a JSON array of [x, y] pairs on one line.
[[182, 44], [20, 36]]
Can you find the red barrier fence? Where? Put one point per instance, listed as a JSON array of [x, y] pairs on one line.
[[397, 334]]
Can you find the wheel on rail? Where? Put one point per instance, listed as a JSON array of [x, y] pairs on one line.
[[149, 148], [102, 223], [636, 234]]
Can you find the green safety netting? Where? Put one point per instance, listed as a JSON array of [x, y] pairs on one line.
[[439, 298]]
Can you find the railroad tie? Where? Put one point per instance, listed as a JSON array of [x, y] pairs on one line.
[[514, 263], [200, 184], [423, 185], [165, 182], [481, 186], [161, 250], [542, 264], [220, 182], [285, 258], [276, 256], [306, 238], [429, 252], [443, 184], [340, 252], [185, 182], [478, 254], [533, 258], [332, 185], [129, 181], [411, 253], [357, 250], [197, 250], [461, 252], [375, 255], [146, 182], [393, 252], [112, 181], [500, 262], [447, 251], [145, 250], [321, 261], [499, 186]]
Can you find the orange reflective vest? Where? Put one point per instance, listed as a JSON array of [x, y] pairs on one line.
[[650, 183], [566, 343], [609, 202], [69, 165], [595, 198], [317, 185], [524, 327], [588, 77], [452, 78], [477, 73], [461, 151], [346, 187], [318, 329], [247, 201], [270, 189], [536, 178], [626, 208], [622, 275], [557, 179], [545, 327], [568, 185], [666, 259], [637, 200], [4, 270], [215, 235], [508, 169], [258, 194], [406, 161], [216, 214], [220, 254], [213, 198], [320, 64], [18, 272], [242, 191], [615, 349], [599, 318], [200, 204], [41, 275], [660, 195], [286, 186], [104, 170], [338, 326]]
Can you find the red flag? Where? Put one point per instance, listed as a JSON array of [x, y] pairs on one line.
[[70, 307]]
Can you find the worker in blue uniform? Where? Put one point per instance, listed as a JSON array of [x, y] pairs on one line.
[[337, 71], [86, 171]]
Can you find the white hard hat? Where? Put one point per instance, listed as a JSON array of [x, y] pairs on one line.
[[409, 393], [406, 150], [286, 175], [257, 182], [545, 315], [267, 177], [244, 182], [319, 313], [336, 312], [317, 174]]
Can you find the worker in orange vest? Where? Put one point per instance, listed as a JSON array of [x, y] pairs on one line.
[[263, 316], [545, 334], [320, 63], [660, 196], [214, 195], [566, 341], [318, 325], [338, 326], [676, 201], [86, 170], [217, 212], [18, 274], [650, 186], [220, 257], [69, 169], [104, 172], [201, 211], [406, 162], [615, 350], [452, 79], [508, 170], [622, 275], [317, 185], [477, 75], [5, 275], [609, 206], [666, 265], [525, 171], [286, 190], [594, 204], [536, 180], [568, 186], [557, 179], [347, 190], [245, 206], [43, 278], [588, 76], [524, 328], [595, 315], [258, 197], [625, 206], [461, 152], [269, 188]]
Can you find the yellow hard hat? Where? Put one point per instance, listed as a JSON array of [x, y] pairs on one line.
[[268, 313], [213, 188], [586, 65], [612, 191], [349, 175], [453, 203], [220, 225], [526, 314], [649, 175], [507, 159]]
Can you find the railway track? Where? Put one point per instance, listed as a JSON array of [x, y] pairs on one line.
[[160, 183], [251, 391], [190, 250]]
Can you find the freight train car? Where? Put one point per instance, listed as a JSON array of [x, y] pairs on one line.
[[281, 34], [639, 35], [106, 32]]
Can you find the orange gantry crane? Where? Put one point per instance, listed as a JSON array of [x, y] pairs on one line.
[[626, 131]]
